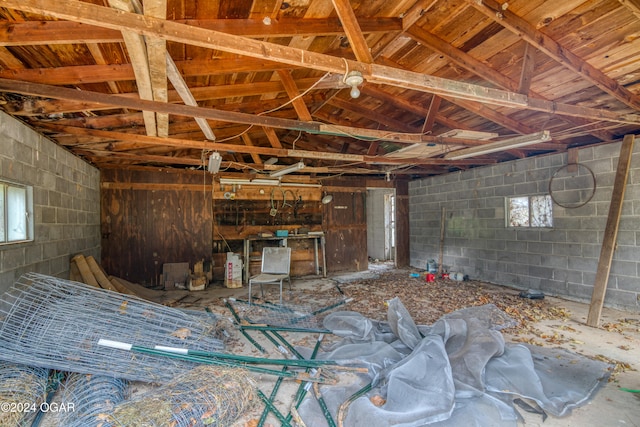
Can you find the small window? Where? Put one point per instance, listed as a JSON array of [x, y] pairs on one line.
[[16, 220], [530, 211]]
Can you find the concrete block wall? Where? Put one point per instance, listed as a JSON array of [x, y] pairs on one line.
[[561, 261], [66, 203]]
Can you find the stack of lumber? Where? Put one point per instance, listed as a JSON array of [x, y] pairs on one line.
[[87, 270]]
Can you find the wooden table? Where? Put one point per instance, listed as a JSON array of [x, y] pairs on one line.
[[318, 243]]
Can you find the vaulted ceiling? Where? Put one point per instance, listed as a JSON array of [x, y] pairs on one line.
[[265, 82]]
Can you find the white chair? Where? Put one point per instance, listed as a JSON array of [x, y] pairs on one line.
[[276, 263]]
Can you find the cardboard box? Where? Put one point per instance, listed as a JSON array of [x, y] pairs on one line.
[[197, 283], [175, 275]]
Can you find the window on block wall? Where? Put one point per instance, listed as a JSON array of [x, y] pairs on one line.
[[16, 207], [530, 211]]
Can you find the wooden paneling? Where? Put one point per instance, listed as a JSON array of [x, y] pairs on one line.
[[144, 228], [154, 217], [243, 211], [345, 223], [402, 223]]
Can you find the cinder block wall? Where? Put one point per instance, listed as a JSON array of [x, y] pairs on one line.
[[561, 261], [66, 202]]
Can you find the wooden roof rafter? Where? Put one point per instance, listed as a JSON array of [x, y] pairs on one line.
[[119, 144], [69, 32], [429, 66], [489, 74], [501, 14], [87, 13]]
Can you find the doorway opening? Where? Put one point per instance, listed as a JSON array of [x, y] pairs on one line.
[[381, 225]]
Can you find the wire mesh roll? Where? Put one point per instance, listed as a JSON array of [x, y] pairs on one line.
[[92, 396], [56, 324], [206, 396], [22, 390]]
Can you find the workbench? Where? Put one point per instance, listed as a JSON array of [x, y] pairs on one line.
[[318, 245]]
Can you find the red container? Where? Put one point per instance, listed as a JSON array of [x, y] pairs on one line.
[[431, 277]]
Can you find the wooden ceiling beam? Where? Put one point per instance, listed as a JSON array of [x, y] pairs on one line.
[[368, 113], [137, 50], [122, 139], [85, 74], [356, 39], [294, 94], [185, 93], [461, 58], [36, 89], [481, 69], [412, 107], [99, 156], [272, 137], [432, 113], [528, 68], [503, 16], [353, 30], [492, 115], [47, 106], [64, 32], [249, 143], [97, 15], [157, 59], [98, 57]]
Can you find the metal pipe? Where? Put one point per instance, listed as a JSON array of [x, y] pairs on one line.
[[242, 331], [185, 355], [273, 409]]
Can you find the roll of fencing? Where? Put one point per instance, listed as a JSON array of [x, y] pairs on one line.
[[56, 324], [206, 396], [87, 399], [22, 390]]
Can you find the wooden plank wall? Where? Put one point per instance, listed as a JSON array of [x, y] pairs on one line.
[[345, 224], [402, 223], [245, 210], [152, 218]]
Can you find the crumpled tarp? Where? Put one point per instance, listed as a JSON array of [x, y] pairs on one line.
[[458, 371]]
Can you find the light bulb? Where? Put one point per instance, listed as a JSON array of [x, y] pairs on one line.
[[355, 92]]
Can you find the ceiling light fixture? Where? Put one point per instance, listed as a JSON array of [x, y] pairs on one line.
[[507, 144], [260, 181], [293, 168], [214, 163], [469, 134], [234, 181], [265, 182], [354, 79]]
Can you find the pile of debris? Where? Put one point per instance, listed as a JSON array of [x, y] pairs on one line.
[[98, 345], [87, 270], [50, 326]]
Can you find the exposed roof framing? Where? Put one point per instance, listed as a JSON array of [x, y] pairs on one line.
[[258, 79]]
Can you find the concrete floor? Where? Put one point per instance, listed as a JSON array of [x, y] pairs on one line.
[[611, 406], [619, 341]]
